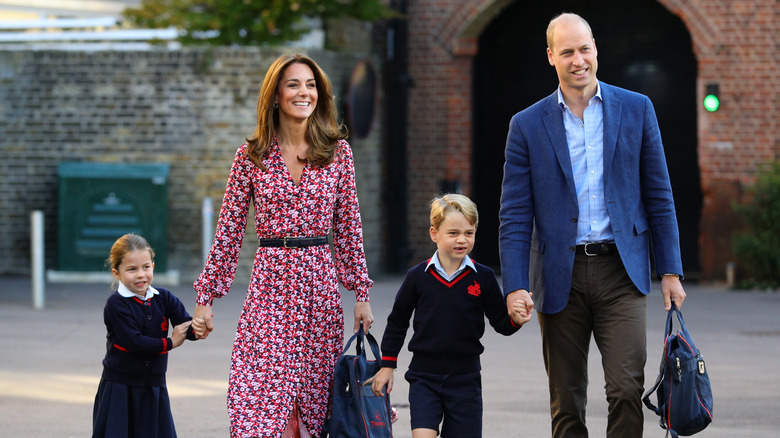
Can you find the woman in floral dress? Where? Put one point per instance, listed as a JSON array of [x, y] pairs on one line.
[[298, 171]]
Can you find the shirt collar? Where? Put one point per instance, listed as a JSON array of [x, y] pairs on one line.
[[127, 293], [466, 262], [562, 103]]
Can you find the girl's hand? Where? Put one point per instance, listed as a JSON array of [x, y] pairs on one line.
[[179, 334]]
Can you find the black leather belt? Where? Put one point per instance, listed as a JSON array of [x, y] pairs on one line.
[[597, 249], [294, 242]]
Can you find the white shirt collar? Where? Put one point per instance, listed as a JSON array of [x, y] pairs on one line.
[[127, 293], [466, 262]]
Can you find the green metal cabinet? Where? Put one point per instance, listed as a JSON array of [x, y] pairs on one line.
[[99, 202]]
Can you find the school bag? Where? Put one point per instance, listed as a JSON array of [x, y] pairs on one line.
[[357, 412], [683, 388]]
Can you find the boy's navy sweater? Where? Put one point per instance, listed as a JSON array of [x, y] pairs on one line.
[[137, 341], [449, 319]]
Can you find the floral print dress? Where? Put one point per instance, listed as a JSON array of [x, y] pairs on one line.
[[291, 329]]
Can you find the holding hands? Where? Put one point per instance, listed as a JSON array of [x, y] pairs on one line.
[[519, 306], [202, 321]]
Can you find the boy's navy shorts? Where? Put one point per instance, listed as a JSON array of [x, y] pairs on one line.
[[455, 398]]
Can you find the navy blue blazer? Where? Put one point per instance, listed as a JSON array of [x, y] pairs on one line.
[[539, 210]]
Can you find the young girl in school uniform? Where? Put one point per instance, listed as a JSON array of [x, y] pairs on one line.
[[132, 398]]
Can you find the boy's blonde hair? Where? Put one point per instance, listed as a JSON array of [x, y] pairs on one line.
[[443, 205]]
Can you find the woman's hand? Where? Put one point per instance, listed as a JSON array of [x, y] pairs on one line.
[[202, 323], [363, 315]]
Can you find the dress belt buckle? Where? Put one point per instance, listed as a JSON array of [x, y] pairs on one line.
[[284, 240], [586, 249]]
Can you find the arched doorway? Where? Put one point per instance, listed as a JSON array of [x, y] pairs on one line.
[[642, 47]]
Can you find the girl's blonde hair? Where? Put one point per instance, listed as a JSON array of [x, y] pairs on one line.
[[324, 128], [124, 245], [443, 205]]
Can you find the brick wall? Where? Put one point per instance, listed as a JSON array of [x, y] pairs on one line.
[[189, 108], [192, 108], [735, 43]]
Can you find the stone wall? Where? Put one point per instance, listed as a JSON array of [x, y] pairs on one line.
[[188, 108]]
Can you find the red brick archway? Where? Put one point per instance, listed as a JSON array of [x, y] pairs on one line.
[[733, 41]]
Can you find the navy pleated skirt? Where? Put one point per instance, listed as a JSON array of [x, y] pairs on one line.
[[124, 411]]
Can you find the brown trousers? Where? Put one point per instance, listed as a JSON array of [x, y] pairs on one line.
[[605, 303]]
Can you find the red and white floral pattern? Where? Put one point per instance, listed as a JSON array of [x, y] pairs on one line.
[[291, 328]]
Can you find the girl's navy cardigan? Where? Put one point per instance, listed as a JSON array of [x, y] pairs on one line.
[[449, 319], [137, 341]]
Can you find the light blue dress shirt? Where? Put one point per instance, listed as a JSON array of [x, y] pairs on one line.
[[465, 263], [586, 149]]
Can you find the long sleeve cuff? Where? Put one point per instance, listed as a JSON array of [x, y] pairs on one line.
[[204, 299], [389, 362], [361, 295]]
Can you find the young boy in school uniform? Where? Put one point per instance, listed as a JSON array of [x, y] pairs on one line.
[[450, 295]]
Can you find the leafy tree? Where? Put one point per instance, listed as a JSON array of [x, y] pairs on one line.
[[247, 22], [759, 248]]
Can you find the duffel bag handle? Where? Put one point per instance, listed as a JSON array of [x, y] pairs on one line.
[[646, 397], [360, 337], [674, 311]]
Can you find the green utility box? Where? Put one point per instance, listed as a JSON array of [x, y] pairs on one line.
[[100, 202]]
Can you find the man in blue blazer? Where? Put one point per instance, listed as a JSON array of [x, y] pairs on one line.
[[585, 192]]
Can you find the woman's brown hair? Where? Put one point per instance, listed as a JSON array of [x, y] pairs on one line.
[[324, 128]]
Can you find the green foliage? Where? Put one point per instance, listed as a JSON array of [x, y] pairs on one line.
[[759, 248], [246, 22]]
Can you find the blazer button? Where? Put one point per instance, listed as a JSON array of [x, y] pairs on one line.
[[571, 249], [574, 219], [149, 317]]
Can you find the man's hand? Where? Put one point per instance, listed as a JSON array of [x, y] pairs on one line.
[[672, 290]]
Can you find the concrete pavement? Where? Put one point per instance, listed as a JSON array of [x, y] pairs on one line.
[[50, 364]]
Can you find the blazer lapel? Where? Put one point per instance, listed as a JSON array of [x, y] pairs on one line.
[[553, 122], [612, 114]]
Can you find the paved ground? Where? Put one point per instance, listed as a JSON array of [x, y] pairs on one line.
[[50, 364]]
